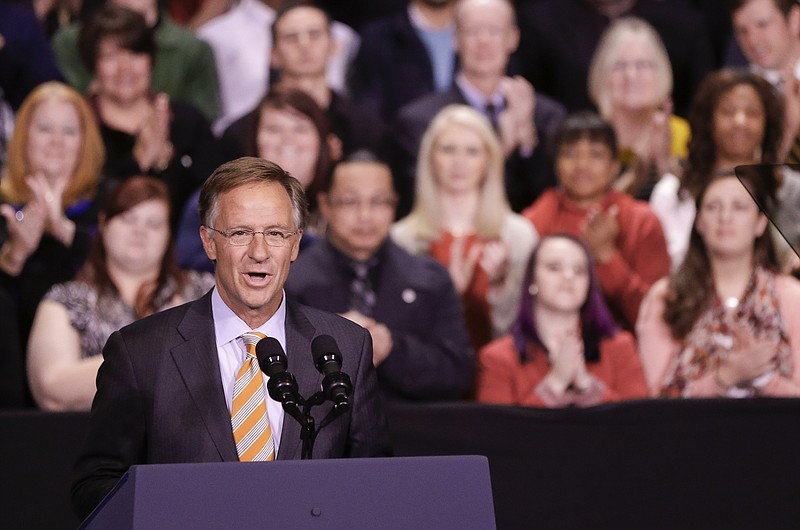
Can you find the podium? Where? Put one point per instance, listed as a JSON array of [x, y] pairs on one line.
[[357, 493]]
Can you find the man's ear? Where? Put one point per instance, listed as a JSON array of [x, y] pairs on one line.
[[209, 243], [296, 245]]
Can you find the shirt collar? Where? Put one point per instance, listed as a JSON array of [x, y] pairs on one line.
[[346, 262], [475, 97], [228, 326], [774, 77], [419, 21]]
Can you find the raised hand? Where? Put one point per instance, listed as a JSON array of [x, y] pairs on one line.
[[748, 358], [566, 361], [49, 195], [601, 231], [462, 263], [494, 261], [382, 342], [659, 140], [153, 148], [25, 230], [516, 120]]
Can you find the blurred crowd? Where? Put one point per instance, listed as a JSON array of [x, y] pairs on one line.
[[544, 203]]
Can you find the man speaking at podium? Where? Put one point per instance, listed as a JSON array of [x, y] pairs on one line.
[[176, 386]]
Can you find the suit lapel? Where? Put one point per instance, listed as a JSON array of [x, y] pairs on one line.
[[299, 332], [198, 364]]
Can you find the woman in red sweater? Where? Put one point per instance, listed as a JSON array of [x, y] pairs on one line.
[[623, 234], [564, 348]]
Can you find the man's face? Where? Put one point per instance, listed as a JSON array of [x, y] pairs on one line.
[[303, 42], [121, 75], [585, 169], [250, 278], [485, 36], [766, 36], [359, 208]]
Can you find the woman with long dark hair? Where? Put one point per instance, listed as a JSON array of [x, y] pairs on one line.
[[736, 119], [726, 322], [564, 348]]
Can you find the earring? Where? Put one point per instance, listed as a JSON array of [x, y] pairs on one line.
[[533, 290]]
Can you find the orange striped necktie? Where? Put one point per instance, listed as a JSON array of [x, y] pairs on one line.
[[249, 418]]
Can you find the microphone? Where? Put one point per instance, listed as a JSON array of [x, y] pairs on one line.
[[282, 385], [336, 384]]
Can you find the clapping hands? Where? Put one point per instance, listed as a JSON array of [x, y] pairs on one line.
[[153, 149], [516, 120], [491, 256], [43, 213]]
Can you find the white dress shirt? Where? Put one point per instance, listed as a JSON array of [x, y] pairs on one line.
[[242, 42], [228, 330]]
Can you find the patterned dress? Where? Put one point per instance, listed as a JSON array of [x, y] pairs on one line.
[[95, 317]]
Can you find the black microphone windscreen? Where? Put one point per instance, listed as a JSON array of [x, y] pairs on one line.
[[270, 355], [324, 345]]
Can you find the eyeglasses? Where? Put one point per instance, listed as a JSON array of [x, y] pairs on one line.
[[242, 237], [637, 66], [352, 204]]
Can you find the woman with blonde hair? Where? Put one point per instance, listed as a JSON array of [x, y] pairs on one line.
[[48, 187], [462, 218], [630, 82]]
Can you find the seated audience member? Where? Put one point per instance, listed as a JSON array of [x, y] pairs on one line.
[[485, 37], [403, 56], [462, 218], [48, 189], [185, 69], [736, 119], [560, 36], [623, 234], [292, 131], [630, 82], [564, 348], [726, 323], [420, 345], [302, 46], [145, 133], [768, 34], [242, 40], [130, 273]]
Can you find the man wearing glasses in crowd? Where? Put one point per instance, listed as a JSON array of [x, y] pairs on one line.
[[407, 303]]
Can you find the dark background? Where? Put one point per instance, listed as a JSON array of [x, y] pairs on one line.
[[642, 464]]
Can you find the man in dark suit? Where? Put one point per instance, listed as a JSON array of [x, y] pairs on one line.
[[166, 385], [486, 36], [404, 56], [408, 304]]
